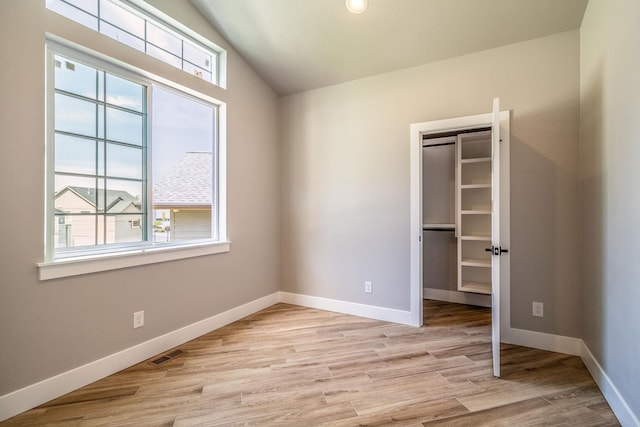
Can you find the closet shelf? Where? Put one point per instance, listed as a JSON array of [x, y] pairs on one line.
[[476, 160], [477, 287], [469, 262], [472, 186], [476, 183], [478, 237], [476, 212], [439, 226]]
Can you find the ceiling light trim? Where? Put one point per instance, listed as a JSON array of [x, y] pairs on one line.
[[357, 6]]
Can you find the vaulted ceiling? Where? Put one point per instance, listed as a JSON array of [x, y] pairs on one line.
[[298, 45]]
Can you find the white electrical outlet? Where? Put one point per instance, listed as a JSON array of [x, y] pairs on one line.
[[538, 309], [368, 287], [138, 319]]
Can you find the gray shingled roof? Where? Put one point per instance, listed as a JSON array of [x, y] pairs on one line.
[[188, 184], [117, 200]]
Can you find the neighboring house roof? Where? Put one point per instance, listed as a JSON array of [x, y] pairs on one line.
[[117, 200], [188, 184]]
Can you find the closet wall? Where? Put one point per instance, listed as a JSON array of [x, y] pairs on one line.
[[439, 245]]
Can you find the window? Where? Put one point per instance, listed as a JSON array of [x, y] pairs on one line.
[[140, 30], [132, 163]]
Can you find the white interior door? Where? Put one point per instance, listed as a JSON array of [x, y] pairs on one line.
[[496, 249]]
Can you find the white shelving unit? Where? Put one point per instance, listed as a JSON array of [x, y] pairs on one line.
[[473, 202]]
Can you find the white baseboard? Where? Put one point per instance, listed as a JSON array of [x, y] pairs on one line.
[[16, 402], [618, 405], [457, 297], [344, 307], [542, 341]]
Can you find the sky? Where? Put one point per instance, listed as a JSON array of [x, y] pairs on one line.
[[180, 124]]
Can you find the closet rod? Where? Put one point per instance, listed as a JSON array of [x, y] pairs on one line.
[[437, 229], [437, 145]]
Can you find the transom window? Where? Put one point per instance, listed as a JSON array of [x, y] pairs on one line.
[[132, 163], [139, 30]]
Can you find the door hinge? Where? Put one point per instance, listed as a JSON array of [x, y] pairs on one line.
[[496, 250]]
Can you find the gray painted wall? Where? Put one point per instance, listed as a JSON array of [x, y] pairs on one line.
[[345, 176], [610, 150], [51, 327]]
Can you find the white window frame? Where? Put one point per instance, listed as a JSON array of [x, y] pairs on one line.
[[95, 259]]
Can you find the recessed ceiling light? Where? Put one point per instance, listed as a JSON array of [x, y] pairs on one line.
[[357, 6]]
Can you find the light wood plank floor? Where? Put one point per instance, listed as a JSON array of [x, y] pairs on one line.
[[289, 365]]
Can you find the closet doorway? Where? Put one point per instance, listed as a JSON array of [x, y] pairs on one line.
[[460, 216]]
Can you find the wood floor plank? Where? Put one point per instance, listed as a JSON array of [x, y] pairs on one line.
[[511, 414], [472, 348], [529, 412], [290, 365], [409, 415]]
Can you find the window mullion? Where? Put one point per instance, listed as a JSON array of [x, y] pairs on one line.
[[97, 132], [99, 16], [104, 158], [50, 160], [182, 53], [147, 172]]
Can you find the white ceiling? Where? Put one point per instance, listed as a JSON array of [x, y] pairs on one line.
[[297, 45]]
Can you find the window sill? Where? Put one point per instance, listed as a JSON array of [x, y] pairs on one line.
[[104, 262]]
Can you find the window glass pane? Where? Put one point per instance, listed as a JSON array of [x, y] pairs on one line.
[[124, 93], [121, 36], [124, 126], [164, 39], [124, 196], [122, 18], [197, 56], [124, 162], [75, 115], [197, 71], [75, 194], [121, 229], [182, 164], [89, 6], [100, 231], [71, 76], [164, 56], [75, 155], [74, 230], [61, 231], [75, 14]]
